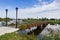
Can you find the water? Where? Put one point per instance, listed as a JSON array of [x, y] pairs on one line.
[[0, 24], [3, 23], [48, 29], [27, 30]]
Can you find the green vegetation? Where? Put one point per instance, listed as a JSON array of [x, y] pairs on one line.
[[12, 24], [33, 20], [23, 26], [54, 22], [51, 21], [4, 19], [30, 22], [27, 23], [16, 36]]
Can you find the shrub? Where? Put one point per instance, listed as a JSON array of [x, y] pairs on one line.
[[23, 26]]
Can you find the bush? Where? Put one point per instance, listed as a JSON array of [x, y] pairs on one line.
[[23, 26], [12, 24]]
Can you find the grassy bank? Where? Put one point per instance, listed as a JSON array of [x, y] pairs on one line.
[[54, 22], [16, 36]]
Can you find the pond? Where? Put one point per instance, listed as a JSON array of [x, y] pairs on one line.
[[48, 29]]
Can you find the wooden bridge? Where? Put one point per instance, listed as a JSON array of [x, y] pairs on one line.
[[40, 26]]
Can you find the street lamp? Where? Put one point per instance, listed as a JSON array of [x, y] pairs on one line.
[[16, 16], [6, 15]]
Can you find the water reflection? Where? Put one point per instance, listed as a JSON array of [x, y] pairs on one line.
[[28, 31], [0, 24], [49, 29]]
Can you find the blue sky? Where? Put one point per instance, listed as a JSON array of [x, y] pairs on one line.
[[30, 8], [22, 3], [18, 3]]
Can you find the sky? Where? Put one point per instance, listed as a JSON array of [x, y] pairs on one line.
[[31, 8]]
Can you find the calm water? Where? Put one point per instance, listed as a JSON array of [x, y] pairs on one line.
[[2, 23], [48, 29]]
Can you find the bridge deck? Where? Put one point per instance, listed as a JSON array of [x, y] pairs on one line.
[[40, 26]]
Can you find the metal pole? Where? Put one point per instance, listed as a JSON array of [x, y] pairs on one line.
[[6, 16], [16, 16]]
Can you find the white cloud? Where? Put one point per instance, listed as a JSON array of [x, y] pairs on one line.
[[25, 12], [57, 1], [44, 2], [50, 14], [36, 11], [39, 8]]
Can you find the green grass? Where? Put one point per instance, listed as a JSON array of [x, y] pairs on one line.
[[10, 36], [54, 22], [16, 36]]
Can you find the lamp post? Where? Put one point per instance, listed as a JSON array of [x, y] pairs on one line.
[[16, 16], [6, 15]]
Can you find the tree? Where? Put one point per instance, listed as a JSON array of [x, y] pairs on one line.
[[0, 19], [52, 19]]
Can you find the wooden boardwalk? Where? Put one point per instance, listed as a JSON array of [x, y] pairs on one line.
[[40, 26]]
